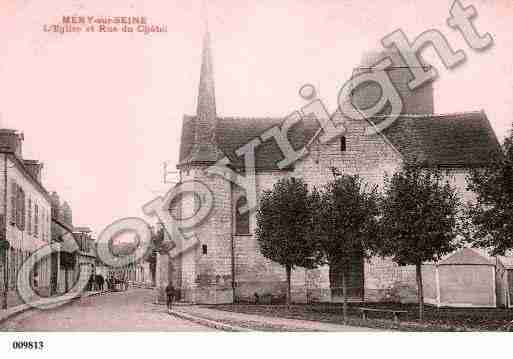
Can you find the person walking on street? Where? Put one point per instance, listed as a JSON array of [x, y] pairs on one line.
[[170, 294]]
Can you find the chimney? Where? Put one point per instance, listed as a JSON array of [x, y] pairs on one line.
[[56, 205], [67, 213], [34, 167], [11, 140]]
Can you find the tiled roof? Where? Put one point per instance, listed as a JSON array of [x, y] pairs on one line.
[[468, 256], [460, 139], [463, 139], [233, 133]]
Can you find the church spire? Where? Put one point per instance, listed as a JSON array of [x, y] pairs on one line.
[[206, 110], [205, 148]]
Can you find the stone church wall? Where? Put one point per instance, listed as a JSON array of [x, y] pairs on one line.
[[207, 278], [386, 281], [255, 274]]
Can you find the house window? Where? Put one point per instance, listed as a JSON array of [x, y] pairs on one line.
[[43, 224], [14, 194], [204, 249], [35, 275], [12, 268], [241, 219], [29, 216], [342, 144], [17, 206], [36, 220]]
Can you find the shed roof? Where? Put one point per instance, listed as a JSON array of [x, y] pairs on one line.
[[468, 256]]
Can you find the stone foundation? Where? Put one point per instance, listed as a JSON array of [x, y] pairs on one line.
[[269, 292]]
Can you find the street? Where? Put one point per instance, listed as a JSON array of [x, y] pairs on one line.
[[133, 310]]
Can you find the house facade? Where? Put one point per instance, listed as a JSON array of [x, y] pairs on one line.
[[226, 266], [25, 212], [64, 270]]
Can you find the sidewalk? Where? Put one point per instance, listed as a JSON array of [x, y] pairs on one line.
[[259, 322], [15, 310]]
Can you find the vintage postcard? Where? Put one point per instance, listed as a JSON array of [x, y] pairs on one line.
[[260, 166]]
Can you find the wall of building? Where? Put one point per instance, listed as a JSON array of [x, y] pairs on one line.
[[255, 274], [25, 241], [430, 284], [206, 269], [371, 157], [467, 285]]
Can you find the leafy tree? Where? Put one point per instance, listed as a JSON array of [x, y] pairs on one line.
[[346, 223], [284, 223], [419, 220], [491, 215], [160, 244]]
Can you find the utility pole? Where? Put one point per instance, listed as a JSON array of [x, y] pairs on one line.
[[4, 243], [4, 250]]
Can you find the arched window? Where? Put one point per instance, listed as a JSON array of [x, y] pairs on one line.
[[241, 219]]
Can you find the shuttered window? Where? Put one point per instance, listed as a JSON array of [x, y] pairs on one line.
[[29, 216], [13, 268], [36, 220], [17, 206], [20, 222], [14, 194]]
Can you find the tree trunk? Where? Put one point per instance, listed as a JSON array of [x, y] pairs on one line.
[[420, 290], [289, 294], [344, 293]]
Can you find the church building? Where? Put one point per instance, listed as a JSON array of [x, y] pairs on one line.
[[226, 266]]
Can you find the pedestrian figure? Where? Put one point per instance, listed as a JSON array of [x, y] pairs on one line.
[[170, 294], [101, 281]]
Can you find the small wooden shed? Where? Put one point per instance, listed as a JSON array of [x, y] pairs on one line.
[[466, 278]]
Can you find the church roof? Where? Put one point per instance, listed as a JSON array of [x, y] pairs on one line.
[[462, 139], [458, 139], [234, 132]]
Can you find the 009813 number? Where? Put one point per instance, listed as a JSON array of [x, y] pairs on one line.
[[28, 345]]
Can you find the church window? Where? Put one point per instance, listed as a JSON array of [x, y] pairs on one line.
[[342, 144], [204, 249], [241, 219]]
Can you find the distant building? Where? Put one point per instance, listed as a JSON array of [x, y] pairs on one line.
[[86, 257], [135, 272], [25, 212], [63, 263]]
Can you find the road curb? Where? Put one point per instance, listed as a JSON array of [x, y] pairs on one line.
[[14, 311], [208, 323]]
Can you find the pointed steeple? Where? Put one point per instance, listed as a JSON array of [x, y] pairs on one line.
[[206, 110], [205, 148]]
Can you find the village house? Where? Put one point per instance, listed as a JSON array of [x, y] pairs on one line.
[[25, 215], [64, 263], [227, 266]]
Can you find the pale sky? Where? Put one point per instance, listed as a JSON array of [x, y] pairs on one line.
[[104, 110]]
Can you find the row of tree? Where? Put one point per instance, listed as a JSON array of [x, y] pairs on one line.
[[416, 218]]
